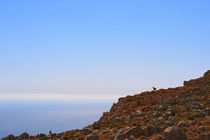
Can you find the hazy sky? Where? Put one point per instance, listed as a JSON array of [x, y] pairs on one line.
[[102, 46]]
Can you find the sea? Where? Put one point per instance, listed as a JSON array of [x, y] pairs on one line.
[[40, 115]]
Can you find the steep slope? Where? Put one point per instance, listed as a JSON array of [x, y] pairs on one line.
[[167, 114], [172, 114]]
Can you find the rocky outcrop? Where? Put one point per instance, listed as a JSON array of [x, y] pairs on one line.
[[174, 133]]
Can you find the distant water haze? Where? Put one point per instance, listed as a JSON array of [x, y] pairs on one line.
[[39, 113], [58, 97]]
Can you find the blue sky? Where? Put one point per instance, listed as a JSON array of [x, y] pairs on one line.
[[101, 47]]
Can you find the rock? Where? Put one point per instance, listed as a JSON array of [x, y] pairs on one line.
[[157, 137], [115, 130], [207, 110], [24, 135], [171, 102], [135, 131], [120, 136], [10, 137], [167, 124], [161, 107], [182, 124], [167, 114], [141, 118], [174, 133], [137, 115], [204, 136], [131, 137], [43, 138], [86, 131], [173, 111], [196, 89], [202, 129], [96, 125], [41, 135], [156, 114], [170, 112], [207, 74], [150, 130], [77, 138], [92, 136], [111, 137], [105, 131]]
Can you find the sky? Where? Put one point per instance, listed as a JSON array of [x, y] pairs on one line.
[[101, 46]]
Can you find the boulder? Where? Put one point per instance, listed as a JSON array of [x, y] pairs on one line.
[[174, 133], [150, 130]]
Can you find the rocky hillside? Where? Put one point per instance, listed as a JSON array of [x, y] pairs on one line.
[[181, 113]]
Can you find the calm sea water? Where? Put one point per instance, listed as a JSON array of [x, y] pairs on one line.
[[17, 116]]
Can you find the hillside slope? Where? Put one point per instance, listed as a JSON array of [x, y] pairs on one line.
[[167, 114]]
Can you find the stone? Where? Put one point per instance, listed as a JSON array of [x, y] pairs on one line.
[[10, 137], [111, 137], [207, 110], [24, 135], [156, 114], [182, 124], [136, 131], [131, 137], [150, 130], [157, 137], [137, 115], [115, 130], [202, 129], [204, 136], [41, 135], [86, 131], [162, 107], [43, 138], [105, 131], [173, 111], [92, 136], [96, 125], [171, 102], [174, 133], [120, 136]]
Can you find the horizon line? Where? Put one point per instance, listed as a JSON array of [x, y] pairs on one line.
[[56, 96]]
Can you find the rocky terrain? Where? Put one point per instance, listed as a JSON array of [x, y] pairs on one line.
[[181, 113]]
